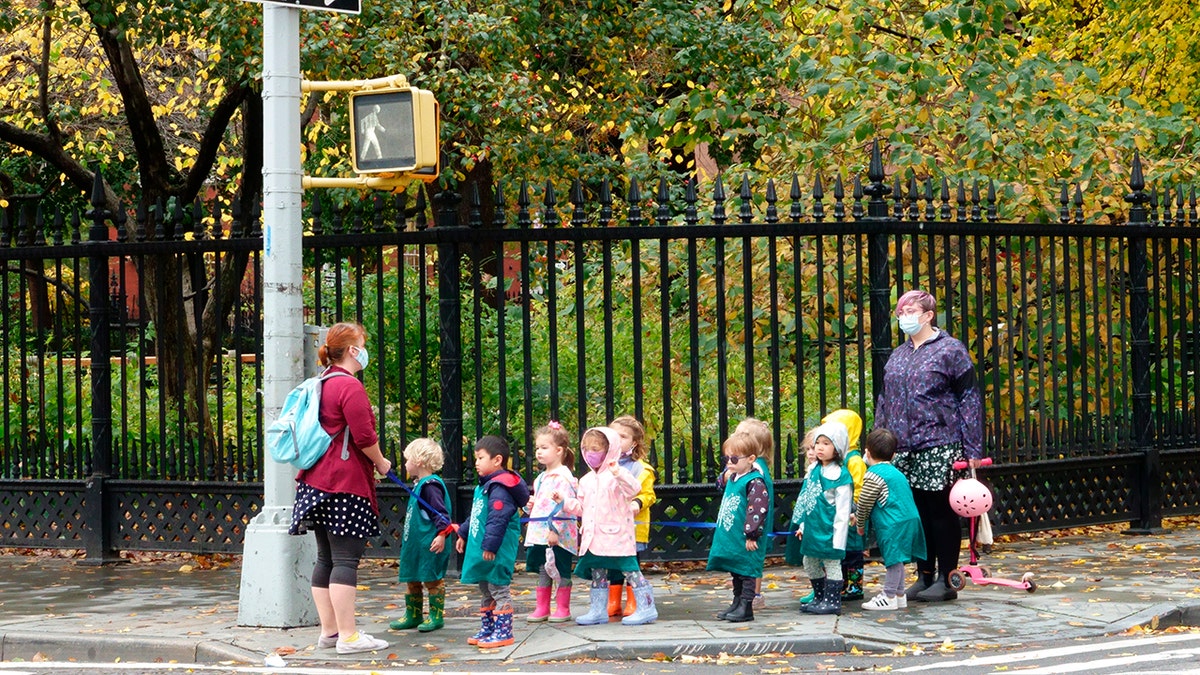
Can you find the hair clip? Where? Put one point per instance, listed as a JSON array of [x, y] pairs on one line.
[[555, 425]]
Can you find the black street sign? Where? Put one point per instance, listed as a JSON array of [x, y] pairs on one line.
[[344, 6]]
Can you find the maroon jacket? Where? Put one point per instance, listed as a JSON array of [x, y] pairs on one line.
[[344, 402]]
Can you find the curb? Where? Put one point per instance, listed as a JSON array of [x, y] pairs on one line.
[[1172, 615], [59, 647], [631, 651]]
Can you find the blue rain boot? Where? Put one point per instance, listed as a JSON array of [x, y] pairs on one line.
[[487, 623], [597, 609], [502, 634], [646, 611]]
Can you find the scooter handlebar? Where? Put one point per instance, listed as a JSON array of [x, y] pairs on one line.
[[959, 466]]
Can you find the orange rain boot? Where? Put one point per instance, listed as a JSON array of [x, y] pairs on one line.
[[614, 599]]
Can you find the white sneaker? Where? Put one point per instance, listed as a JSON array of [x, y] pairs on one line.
[[881, 602], [364, 643], [903, 600], [327, 641]]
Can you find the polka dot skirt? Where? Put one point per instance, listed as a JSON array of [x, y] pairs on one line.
[[340, 513]]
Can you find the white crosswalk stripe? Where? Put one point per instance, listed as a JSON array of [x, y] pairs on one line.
[[1023, 658]]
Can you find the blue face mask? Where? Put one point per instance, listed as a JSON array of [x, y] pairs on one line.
[[362, 357], [910, 324]]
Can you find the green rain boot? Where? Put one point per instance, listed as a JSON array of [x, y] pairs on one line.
[[437, 612], [412, 613]]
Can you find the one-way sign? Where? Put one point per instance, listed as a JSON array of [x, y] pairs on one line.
[[344, 6]]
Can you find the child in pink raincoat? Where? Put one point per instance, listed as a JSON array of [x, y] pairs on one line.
[[607, 534]]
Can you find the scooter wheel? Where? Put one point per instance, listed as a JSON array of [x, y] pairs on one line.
[[956, 581], [1031, 587]]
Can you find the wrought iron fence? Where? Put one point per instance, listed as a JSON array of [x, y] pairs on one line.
[[688, 311]]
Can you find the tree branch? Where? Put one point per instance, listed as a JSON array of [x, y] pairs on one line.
[[50, 150], [210, 142], [155, 172], [44, 79]]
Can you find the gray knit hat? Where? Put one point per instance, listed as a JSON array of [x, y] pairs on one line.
[[836, 432]]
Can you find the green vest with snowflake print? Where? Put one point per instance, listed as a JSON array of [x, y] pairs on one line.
[[417, 562], [728, 553]]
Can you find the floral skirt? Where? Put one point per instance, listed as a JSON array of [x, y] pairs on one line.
[[932, 468]]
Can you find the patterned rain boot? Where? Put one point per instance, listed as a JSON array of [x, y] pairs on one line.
[[412, 613], [630, 602], [831, 599], [852, 588], [437, 612], [614, 600], [598, 611], [541, 611], [502, 634], [646, 611], [815, 597], [562, 605], [487, 623]]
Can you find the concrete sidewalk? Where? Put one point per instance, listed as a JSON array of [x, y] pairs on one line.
[[1087, 586]]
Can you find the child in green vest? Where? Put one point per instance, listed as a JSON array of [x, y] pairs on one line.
[[824, 504], [765, 441], [852, 564], [741, 524], [490, 538], [423, 551], [887, 509], [791, 550]]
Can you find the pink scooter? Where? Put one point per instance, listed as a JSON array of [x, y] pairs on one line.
[[972, 500]]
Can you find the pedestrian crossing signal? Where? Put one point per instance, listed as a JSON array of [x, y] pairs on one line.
[[395, 131]]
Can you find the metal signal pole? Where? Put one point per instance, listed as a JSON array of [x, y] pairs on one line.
[[275, 565]]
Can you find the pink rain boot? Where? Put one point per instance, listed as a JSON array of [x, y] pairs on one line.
[[542, 611], [562, 605]]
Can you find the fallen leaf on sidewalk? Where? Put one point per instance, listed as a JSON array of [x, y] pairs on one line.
[[39, 658], [285, 650]]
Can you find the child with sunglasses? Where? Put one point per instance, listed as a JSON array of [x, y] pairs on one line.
[[739, 544]]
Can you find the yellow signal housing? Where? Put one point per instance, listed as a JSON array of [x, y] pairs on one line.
[[395, 131]]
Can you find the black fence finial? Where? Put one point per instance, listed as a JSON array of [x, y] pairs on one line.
[[876, 189], [1137, 197]]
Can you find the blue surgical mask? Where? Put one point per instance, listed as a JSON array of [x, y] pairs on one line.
[[362, 357], [910, 324]]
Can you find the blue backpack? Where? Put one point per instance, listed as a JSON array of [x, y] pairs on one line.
[[296, 437]]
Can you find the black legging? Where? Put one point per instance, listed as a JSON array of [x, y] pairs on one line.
[[943, 533], [337, 558]]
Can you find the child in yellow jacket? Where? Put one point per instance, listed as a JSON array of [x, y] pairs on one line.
[[633, 435]]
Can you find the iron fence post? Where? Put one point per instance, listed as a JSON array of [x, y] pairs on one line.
[[1148, 486], [450, 347], [877, 264], [99, 539]]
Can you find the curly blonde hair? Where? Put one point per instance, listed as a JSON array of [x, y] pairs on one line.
[[761, 433], [425, 452]]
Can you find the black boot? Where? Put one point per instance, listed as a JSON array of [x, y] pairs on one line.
[[743, 611], [831, 599], [738, 585], [818, 592]]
